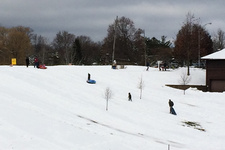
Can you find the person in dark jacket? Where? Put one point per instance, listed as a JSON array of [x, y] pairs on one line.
[[27, 62], [171, 104], [164, 65], [147, 66], [129, 97], [89, 76]]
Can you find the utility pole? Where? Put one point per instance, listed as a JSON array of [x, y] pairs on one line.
[[145, 48], [114, 40]]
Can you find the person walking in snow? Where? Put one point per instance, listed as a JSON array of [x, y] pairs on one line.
[[147, 66], [27, 62], [129, 97], [171, 104]]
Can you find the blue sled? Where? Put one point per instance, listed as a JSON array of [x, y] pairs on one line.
[[91, 81], [172, 111]]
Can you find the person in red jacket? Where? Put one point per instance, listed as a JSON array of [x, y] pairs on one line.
[[36, 62]]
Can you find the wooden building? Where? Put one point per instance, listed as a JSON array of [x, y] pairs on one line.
[[215, 71]]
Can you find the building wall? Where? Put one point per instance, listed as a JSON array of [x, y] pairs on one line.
[[215, 75]]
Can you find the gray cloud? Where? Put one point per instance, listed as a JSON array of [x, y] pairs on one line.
[[92, 18]]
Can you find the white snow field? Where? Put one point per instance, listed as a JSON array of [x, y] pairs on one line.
[[55, 109]]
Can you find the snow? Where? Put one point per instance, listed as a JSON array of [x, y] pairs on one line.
[[217, 55], [55, 109]]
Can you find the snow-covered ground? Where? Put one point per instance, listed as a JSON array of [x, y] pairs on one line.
[[55, 109]]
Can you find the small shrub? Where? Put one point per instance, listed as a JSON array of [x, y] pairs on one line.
[[108, 95]]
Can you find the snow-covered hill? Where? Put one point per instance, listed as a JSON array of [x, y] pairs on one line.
[[55, 109]]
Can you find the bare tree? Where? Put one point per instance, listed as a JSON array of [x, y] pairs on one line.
[[219, 40], [192, 42], [18, 43], [4, 53], [141, 86], [89, 50], [108, 95], [129, 45], [41, 47], [184, 80], [63, 43]]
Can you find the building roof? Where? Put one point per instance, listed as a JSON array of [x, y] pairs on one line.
[[217, 55]]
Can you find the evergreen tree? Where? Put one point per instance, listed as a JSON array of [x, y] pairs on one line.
[[159, 50]]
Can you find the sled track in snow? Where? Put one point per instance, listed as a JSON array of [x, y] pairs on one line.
[[107, 126], [172, 143]]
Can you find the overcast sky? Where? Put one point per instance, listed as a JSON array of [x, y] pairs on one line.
[[92, 17]]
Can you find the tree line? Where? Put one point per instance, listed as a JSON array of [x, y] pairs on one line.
[[124, 42]]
